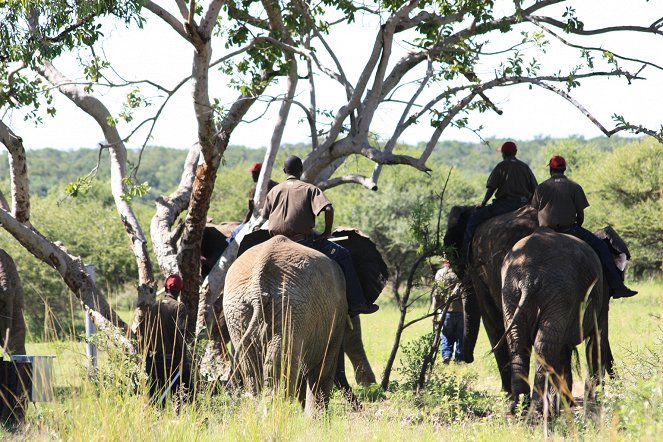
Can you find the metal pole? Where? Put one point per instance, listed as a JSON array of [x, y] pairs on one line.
[[90, 329]]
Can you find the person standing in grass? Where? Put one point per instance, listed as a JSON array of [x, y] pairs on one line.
[[449, 289], [161, 341]]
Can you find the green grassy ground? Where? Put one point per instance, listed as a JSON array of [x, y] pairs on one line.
[[462, 402]]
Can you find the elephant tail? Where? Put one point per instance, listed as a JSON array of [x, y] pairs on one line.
[[524, 296], [254, 323]]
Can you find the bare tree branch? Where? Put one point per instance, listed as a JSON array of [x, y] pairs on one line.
[[561, 25], [170, 19], [73, 273], [18, 171], [93, 107], [348, 179]]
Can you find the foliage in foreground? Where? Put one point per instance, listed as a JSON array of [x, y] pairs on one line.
[[115, 407]]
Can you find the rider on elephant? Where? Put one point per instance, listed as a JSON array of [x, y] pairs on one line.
[[560, 203], [291, 208], [512, 182], [255, 174]]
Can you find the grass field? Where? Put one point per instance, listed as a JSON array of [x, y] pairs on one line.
[[462, 402]]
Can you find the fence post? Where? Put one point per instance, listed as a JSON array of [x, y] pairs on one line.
[[90, 329]]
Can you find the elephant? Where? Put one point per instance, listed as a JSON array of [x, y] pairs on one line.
[[372, 272], [12, 322], [482, 278], [553, 296], [286, 312]]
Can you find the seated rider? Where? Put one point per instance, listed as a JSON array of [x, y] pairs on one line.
[[291, 208], [512, 182], [560, 203]]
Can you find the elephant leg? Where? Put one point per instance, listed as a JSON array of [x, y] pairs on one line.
[[273, 362], [598, 354], [354, 348], [320, 380], [247, 367], [521, 349], [493, 321], [549, 370], [341, 382], [472, 321], [566, 384]]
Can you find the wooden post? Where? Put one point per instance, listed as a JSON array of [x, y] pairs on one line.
[[90, 329]]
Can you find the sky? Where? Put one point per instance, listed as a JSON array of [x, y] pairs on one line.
[[155, 52]]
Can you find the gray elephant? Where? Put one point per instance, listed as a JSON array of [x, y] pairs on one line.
[[482, 279], [12, 323], [554, 296], [286, 312], [372, 273]]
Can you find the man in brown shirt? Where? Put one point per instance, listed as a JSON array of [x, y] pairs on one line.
[[292, 207], [512, 182], [561, 203], [161, 341]]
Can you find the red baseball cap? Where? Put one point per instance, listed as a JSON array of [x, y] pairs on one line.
[[557, 162], [174, 282], [508, 148], [255, 168]]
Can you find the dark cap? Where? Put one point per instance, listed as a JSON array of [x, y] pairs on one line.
[[508, 148], [293, 165], [255, 168], [174, 282], [557, 162]]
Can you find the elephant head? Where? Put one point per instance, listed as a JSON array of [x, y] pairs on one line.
[[286, 312]]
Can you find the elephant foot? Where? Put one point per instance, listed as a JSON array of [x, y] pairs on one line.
[[353, 400], [521, 404], [365, 377]]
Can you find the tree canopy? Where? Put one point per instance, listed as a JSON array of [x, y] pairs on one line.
[[281, 54]]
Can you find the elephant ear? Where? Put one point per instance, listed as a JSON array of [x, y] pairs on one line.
[[253, 239], [211, 247], [371, 268], [456, 224], [615, 243]]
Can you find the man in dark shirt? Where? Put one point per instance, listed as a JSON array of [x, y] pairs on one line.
[[161, 340], [512, 182], [561, 203], [292, 207], [255, 174]]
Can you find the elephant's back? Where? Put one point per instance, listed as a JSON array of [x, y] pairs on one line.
[[292, 280], [545, 253], [495, 237]]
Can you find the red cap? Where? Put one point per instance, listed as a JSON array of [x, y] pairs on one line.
[[174, 282], [255, 168], [557, 162], [508, 148]]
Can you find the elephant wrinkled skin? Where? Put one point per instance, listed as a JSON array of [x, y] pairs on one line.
[[372, 273], [12, 323], [286, 312], [553, 297], [492, 241]]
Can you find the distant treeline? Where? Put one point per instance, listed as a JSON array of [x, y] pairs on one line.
[[622, 178]]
